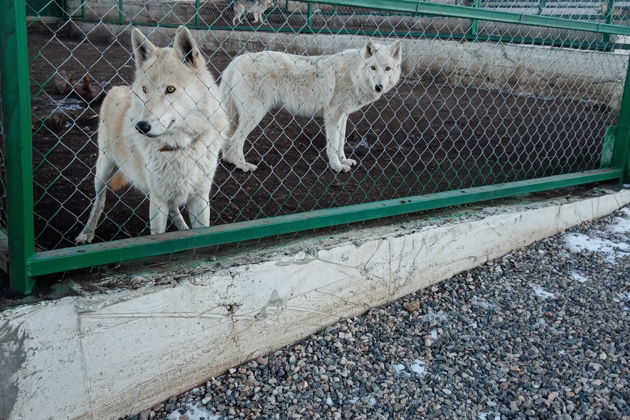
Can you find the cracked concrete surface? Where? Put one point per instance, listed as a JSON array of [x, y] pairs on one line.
[[119, 351]]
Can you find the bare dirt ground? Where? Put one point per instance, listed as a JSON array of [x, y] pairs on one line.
[[424, 136]]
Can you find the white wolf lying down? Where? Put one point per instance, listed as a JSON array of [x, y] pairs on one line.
[[331, 86], [164, 134]]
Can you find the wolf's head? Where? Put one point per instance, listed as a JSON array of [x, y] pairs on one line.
[[169, 85], [381, 66]]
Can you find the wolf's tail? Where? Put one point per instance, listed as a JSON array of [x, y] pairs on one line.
[[118, 181], [231, 111]]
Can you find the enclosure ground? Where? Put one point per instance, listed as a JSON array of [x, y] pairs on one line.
[[540, 333], [424, 136]]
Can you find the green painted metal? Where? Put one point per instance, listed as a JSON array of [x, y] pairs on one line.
[[621, 153], [16, 110], [121, 12], [147, 246], [197, 13], [474, 23], [448, 10], [309, 17], [25, 263], [610, 8]]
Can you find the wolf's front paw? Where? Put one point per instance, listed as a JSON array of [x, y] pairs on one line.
[[84, 238], [349, 162], [338, 167], [246, 167]]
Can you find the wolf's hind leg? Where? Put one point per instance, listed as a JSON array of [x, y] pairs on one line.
[[248, 119], [104, 171]]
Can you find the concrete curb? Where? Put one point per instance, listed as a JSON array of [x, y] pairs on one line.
[[117, 353]]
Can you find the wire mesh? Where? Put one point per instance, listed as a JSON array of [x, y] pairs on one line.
[[464, 114]]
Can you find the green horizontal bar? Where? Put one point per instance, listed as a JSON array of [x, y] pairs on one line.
[[465, 12], [148, 246]]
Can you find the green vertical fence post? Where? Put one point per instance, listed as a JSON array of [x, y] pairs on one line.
[[610, 9], [121, 12], [541, 6], [197, 14], [474, 23], [16, 109], [621, 152], [309, 17]]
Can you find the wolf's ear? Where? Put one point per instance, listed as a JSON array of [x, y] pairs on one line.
[[369, 50], [396, 51], [142, 47], [187, 47]]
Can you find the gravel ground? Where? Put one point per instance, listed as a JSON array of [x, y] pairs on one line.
[[541, 333]]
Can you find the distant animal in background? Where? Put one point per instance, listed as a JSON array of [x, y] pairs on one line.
[[163, 135], [89, 90], [86, 88], [330, 86], [255, 7], [62, 82]]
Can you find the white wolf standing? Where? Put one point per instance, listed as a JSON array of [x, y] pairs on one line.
[[164, 134], [255, 7], [331, 86]]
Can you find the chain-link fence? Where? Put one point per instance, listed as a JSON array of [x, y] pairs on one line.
[[463, 115]]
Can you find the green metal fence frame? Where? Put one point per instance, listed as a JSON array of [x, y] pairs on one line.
[[25, 263], [411, 8]]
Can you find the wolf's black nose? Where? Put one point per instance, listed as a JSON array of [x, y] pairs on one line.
[[143, 127], [378, 88]]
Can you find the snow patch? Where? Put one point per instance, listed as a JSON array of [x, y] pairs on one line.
[[579, 242], [484, 305], [578, 277], [435, 318], [192, 412], [399, 368], [433, 335], [540, 292], [69, 104], [419, 367], [621, 224]]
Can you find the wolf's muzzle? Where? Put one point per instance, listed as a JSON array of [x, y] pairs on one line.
[[378, 88]]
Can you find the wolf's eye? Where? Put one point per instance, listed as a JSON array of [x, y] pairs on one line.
[[373, 68], [144, 89], [170, 89], [388, 68]]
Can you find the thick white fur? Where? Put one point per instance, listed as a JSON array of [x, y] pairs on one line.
[[189, 122], [330, 86]]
